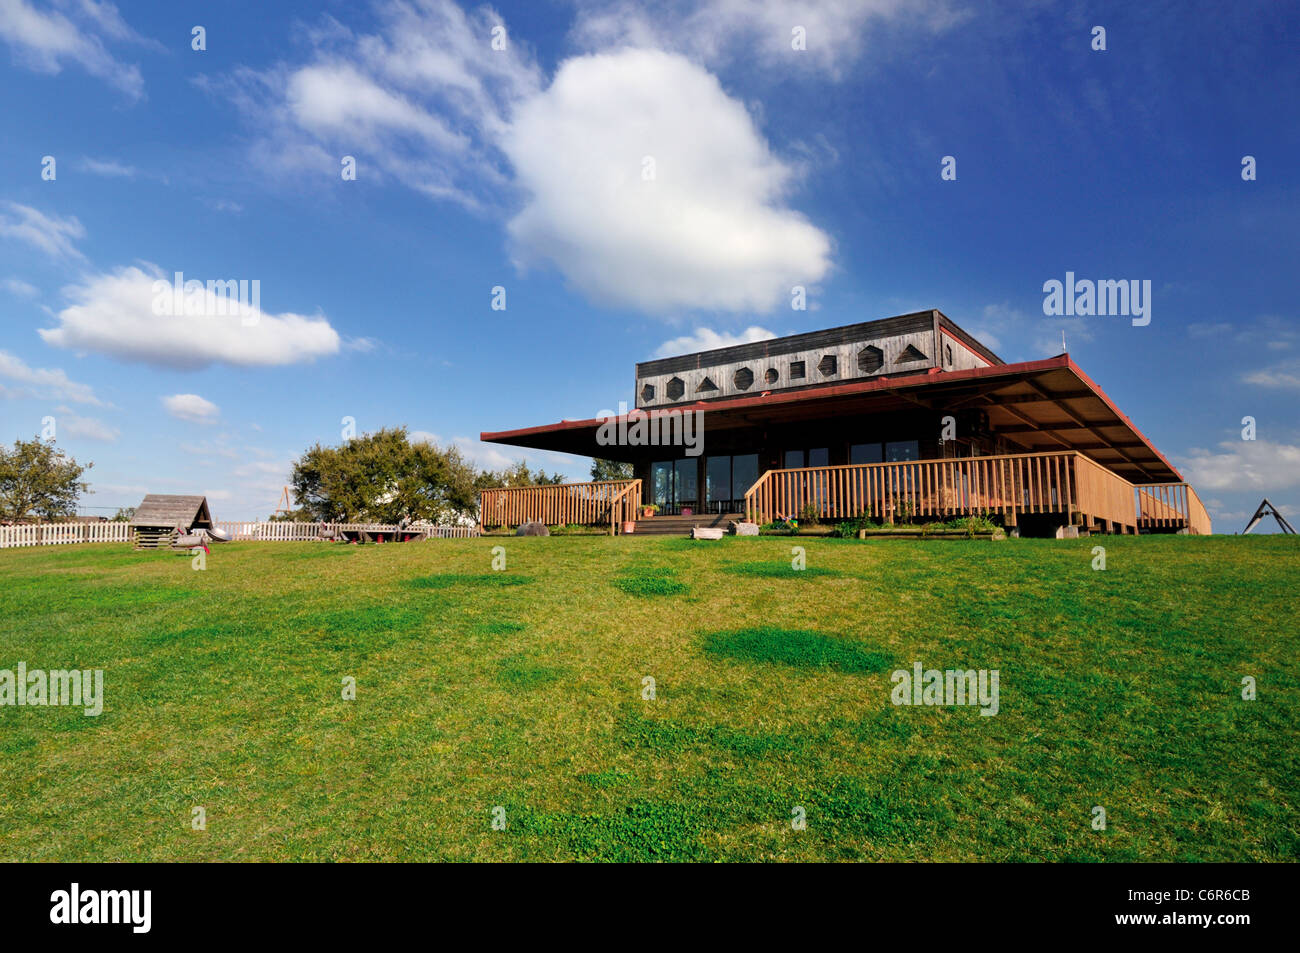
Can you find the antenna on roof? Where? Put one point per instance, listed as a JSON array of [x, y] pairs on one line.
[[1064, 349]]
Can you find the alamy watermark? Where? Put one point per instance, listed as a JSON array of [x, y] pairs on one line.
[[662, 428], [1085, 298], [922, 686], [58, 687], [194, 298]]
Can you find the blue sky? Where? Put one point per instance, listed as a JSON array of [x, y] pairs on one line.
[[524, 168]]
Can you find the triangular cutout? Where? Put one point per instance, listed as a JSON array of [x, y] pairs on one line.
[[706, 385], [910, 353]]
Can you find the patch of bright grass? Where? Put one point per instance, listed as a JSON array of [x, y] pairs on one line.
[[650, 582], [800, 648]]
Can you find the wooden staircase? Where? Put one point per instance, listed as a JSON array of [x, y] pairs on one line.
[[682, 525]]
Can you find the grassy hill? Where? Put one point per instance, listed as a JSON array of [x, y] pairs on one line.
[[523, 689]]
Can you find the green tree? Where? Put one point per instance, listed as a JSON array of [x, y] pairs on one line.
[[518, 474], [383, 478], [38, 480], [603, 470], [124, 514]]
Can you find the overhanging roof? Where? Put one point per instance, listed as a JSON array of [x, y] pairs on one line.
[[1038, 405]]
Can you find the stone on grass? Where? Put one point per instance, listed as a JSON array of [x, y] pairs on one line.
[[706, 532], [533, 528], [745, 529]]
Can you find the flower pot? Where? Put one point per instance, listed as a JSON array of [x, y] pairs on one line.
[[629, 526], [647, 512], [687, 511]]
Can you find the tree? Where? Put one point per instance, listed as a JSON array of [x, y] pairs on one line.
[[384, 478], [38, 480], [603, 470], [518, 474], [124, 514]]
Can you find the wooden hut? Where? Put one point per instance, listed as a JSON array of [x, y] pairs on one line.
[[156, 518]]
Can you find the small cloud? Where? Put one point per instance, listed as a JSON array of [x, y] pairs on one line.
[[706, 339], [88, 428], [362, 345], [191, 407], [1284, 376], [22, 289], [43, 383], [109, 168], [51, 234]]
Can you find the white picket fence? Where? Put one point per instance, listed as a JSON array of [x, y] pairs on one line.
[[52, 534], [302, 532]]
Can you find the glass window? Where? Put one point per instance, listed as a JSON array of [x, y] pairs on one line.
[[819, 457], [744, 473], [687, 480], [793, 459], [661, 483], [897, 450], [866, 453], [717, 474]]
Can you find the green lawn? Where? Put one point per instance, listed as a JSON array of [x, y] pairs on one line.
[[523, 689]]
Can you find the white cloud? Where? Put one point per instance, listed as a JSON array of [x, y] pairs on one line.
[[19, 287], [45, 41], [68, 424], [43, 383], [424, 100], [113, 314], [721, 31], [708, 231], [706, 339], [109, 168], [192, 408], [1244, 465], [52, 234], [1286, 375]]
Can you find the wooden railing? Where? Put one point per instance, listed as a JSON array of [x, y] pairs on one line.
[[1172, 506], [561, 504], [1064, 482]]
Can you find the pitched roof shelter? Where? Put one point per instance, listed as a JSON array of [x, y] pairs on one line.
[[160, 513]]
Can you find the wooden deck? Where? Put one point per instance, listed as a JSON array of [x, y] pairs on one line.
[[560, 504], [1066, 484]]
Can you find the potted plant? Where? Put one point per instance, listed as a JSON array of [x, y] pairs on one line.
[[649, 510]]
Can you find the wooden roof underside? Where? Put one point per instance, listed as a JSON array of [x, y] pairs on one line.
[[1037, 406]]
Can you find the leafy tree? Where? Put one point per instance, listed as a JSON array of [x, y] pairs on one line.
[[38, 480], [603, 470], [124, 514], [518, 474], [384, 478]]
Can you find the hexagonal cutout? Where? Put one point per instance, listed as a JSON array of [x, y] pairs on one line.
[[676, 388], [744, 379], [647, 393], [828, 366], [870, 359]]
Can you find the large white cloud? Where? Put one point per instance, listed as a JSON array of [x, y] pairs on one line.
[[707, 230], [427, 100], [113, 313]]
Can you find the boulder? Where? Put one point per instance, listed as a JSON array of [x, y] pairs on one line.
[[533, 528], [745, 529], [706, 532]]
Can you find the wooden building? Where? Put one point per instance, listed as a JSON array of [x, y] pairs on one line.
[[908, 416], [156, 518]]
